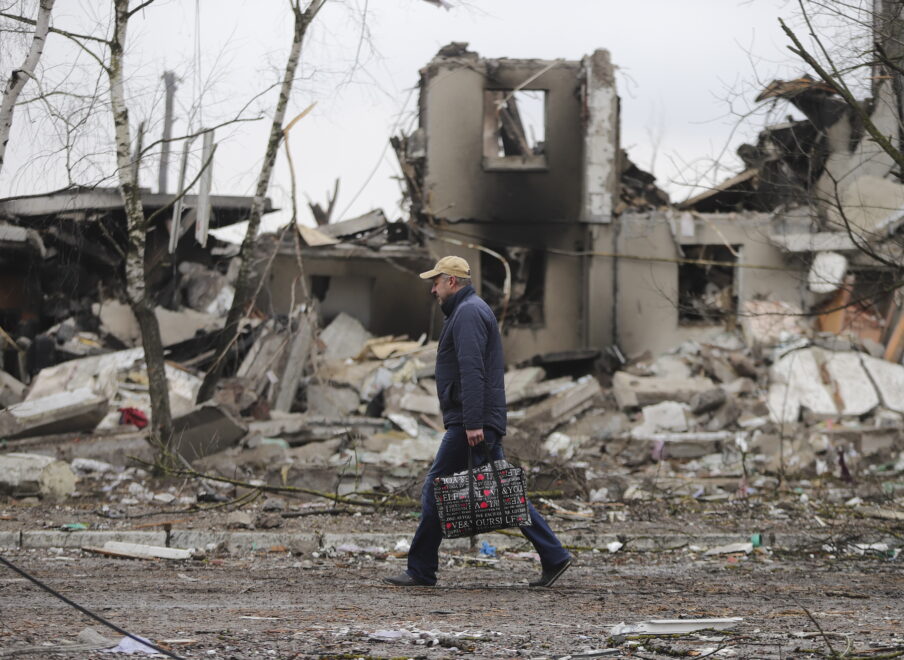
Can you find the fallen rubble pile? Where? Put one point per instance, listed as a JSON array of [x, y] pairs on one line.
[[343, 411]]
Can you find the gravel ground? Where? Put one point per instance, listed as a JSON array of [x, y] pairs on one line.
[[332, 604]]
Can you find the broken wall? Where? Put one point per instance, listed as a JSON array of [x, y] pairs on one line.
[[460, 184], [391, 298], [648, 308], [565, 304]]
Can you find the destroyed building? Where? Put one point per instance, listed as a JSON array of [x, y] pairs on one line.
[[62, 259], [700, 315]]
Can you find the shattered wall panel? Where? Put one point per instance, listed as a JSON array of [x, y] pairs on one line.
[[456, 182]]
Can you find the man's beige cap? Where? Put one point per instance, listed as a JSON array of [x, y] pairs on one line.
[[448, 266]]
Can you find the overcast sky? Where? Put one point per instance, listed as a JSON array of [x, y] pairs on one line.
[[685, 69]]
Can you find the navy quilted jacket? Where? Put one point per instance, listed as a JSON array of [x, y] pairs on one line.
[[469, 364]]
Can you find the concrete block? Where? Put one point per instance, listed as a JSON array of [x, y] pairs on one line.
[[206, 430], [889, 381], [637, 391], [783, 404], [708, 401], [10, 540], [517, 379], [61, 412], [35, 474], [419, 403], [60, 539], [800, 371], [331, 401], [344, 338], [665, 416], [853, 388]]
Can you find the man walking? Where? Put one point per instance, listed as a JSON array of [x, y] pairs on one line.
[[469, 382]]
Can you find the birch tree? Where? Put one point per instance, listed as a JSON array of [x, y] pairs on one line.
[[244, 286], [136, 286], [20, 77]]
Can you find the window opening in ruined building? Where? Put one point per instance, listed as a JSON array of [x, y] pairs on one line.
[[707, 292], [528, 267], [514, 129]]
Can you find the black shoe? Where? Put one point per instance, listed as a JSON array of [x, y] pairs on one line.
[[404, 580], [550, 575]]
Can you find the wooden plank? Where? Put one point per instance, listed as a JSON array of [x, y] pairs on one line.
[[138, 551], [895, 347], [833, 319], [295, 364]]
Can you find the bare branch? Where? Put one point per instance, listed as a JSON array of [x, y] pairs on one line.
[[21, 76]]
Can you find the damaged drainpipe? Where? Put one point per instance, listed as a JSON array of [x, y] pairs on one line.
[[506, 286]]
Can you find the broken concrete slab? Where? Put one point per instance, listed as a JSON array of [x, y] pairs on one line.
[[637, 391], [330, 401], [283, 392], [370, 221], [516, 380], [539, 390], [204, 431], [889, 381], [343, 338], [853, 388], [664, 416], [11, 390], [80, 410], [118, 320], [732, 548], [670, 366], [724, 416], [783, 404], [419, 403], [544, 417], [105, 374], [674, 626], [800, 371], [138, 551], [704, 402], [23, 475]]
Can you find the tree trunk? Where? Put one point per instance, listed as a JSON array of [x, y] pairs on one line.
[[244, 286], [136, 288], [20, 76]]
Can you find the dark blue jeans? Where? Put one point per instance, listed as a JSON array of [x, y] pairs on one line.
[[452, 456]]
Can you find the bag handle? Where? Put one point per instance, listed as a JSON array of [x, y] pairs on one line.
[[472, 505]]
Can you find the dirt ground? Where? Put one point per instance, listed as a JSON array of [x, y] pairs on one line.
[[810, 602]]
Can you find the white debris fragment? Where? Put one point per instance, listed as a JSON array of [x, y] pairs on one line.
[[405, 422], [731, 548], [674, 626]]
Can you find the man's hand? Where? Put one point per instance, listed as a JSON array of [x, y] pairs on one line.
[[475, 436]]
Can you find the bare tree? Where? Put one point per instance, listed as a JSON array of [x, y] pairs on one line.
[[136, 286], [245, 286], [20, 77]]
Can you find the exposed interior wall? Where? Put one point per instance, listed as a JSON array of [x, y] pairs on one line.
[[457, 185], [399, 302], [647, 291], [561, 329]]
